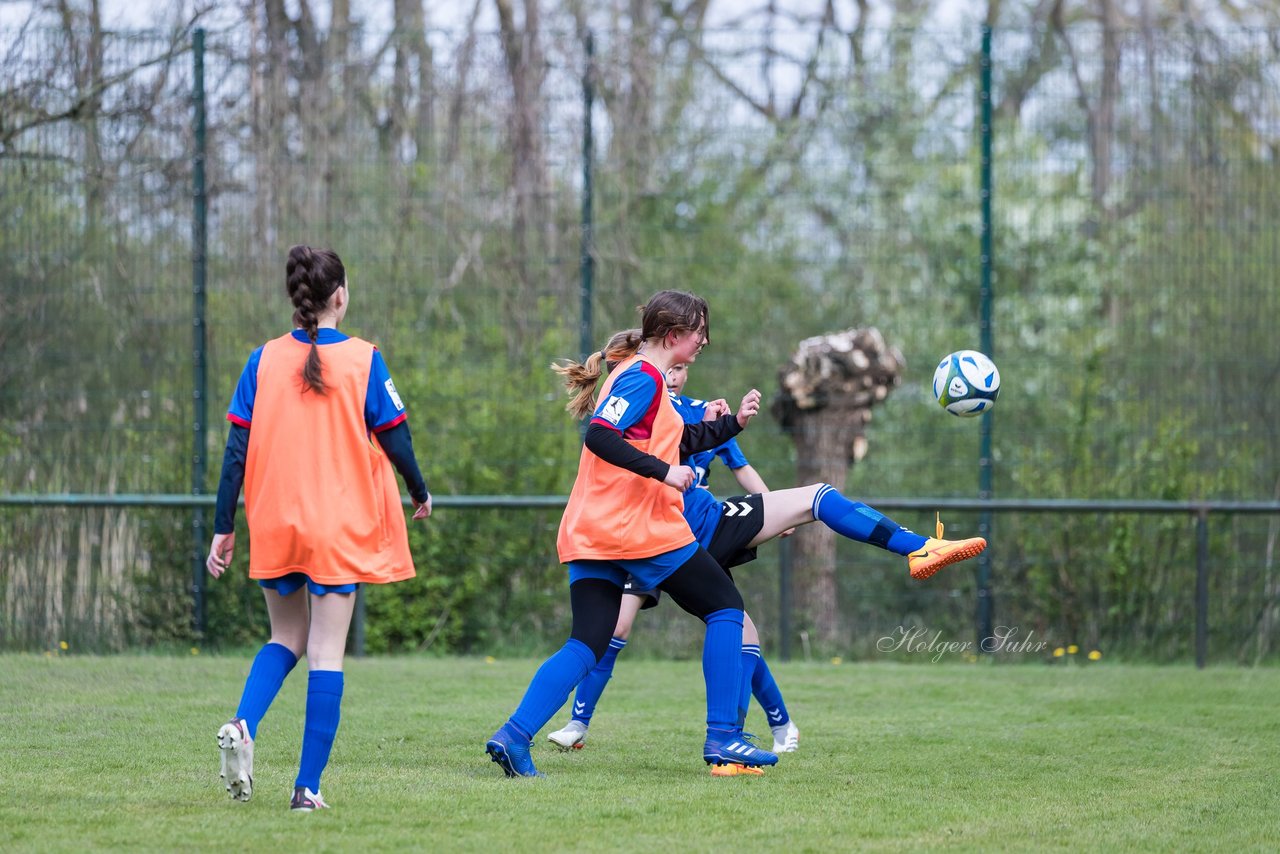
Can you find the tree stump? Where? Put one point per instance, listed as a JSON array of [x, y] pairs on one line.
[[827, 392]]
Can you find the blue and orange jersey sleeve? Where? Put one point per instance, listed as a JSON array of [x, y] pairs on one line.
[[241, 410], [633, 401], [383, 408]]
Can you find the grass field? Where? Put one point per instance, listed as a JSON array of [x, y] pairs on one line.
[[113, 753]]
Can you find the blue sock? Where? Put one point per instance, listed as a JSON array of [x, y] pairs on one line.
[[270, 666], [589, 691], [857, 521], [750, 657], [722, 667], [551, 685], [768, 695], [324, 707]]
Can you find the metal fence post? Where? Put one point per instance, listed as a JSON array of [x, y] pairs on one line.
[[199, 274], [985, 606], [587, 250], [1202, 586]]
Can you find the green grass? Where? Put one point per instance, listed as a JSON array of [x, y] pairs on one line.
[[118, 753]]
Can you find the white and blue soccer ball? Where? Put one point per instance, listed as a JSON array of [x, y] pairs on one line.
[[966, 383]]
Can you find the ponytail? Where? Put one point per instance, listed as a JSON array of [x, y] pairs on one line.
[[581, 378]]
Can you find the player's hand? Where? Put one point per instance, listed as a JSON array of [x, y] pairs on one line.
[[787, 533], [423, 510], [715, 409], [749, 408], [679, 477], [221, 550]]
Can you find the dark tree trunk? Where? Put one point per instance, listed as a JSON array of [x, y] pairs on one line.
[[828, 390]]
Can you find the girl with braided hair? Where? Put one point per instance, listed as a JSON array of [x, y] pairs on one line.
[[322, 504]]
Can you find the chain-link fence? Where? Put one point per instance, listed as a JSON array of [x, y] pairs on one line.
[[803, 182]]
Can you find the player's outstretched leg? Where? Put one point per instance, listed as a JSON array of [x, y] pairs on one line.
[[787, 508], [925, 555]]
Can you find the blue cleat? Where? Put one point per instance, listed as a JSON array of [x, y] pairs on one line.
[[732, 748], [511, 751]]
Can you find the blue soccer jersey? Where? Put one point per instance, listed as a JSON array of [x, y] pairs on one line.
[[383, 408], [692, 411], [702, 510]]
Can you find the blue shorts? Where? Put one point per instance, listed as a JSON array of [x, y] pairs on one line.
[[648, 572], [287, 584]]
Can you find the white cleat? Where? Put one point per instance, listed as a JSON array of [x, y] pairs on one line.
[[786, 738], [236, 748], [572, 737]]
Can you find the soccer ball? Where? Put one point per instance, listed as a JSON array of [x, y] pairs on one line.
[[966, 383]]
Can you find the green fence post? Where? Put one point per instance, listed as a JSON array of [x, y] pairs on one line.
[[985, 493], [199, 273], [586, 261], [586, 256], [1202, 586]]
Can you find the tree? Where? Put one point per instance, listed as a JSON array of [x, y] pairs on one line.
[[827, 392]]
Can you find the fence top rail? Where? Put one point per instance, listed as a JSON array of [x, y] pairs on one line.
[[1006, 505]]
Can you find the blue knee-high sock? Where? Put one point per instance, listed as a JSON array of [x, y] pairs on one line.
[[768, 695], [551, 685], [270, 667], [750, 658], [857, 521], [722, 667], [324, 708], [589, 691]]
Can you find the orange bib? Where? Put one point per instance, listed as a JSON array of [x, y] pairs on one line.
[[320, 495], [616, 514]]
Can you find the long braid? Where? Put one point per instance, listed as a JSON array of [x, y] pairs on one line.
[[311, 277]]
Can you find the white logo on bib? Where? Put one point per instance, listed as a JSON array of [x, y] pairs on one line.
[[391, 390], [613, 410]]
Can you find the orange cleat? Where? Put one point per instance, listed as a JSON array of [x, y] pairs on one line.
[[938, 553], [734, 770]]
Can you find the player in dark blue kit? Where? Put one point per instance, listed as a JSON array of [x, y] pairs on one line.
[[624, 517], [701, 511], [731, 531]]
